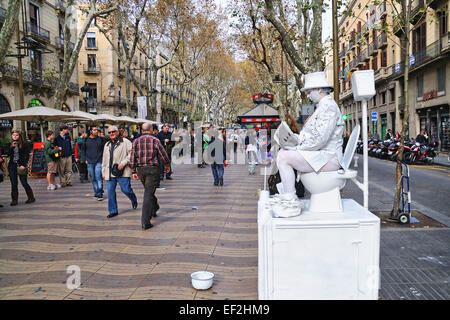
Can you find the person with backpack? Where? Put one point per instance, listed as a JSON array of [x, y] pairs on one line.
[[52, 154]]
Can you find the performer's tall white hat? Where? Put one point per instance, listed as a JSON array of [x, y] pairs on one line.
[[316, 80]]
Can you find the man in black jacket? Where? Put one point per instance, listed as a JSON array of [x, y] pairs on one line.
[[217, 160], [93, 152], [65, 162], [165, 137]]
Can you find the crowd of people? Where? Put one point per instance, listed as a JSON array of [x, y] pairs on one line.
[[117, 158]]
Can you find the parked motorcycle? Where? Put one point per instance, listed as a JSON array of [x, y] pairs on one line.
[[383, 151], [372, 147], [421, 153], [393, 151]]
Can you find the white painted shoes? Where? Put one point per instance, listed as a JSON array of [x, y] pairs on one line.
[[286, 205]]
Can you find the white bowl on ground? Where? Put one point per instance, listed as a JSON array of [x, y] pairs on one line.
[[202, 280]]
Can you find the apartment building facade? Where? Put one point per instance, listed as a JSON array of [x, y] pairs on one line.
[[365, 45], [174, 101], [100, 67], [42, 25]]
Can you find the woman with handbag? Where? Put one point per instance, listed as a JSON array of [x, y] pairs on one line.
[[19, 153]]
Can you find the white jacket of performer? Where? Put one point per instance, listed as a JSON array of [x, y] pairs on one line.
[[320, 140]]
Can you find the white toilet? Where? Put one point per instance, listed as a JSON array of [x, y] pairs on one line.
[[325, 186]]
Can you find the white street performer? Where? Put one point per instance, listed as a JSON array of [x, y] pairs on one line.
[[319, 147]]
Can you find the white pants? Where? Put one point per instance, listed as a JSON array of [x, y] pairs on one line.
[[288, 160]]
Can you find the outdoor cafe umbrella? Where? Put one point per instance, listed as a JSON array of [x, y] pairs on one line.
[[40, 114], [128, 120]]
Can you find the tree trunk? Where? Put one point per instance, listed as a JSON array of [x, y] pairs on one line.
[[8, 27], [405, 41]]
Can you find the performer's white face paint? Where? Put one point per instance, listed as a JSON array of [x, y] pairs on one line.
[[314, 95]]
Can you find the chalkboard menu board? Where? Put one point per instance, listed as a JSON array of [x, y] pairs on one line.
[[38, 163]]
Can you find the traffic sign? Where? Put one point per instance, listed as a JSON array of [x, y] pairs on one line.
[[374, 116]]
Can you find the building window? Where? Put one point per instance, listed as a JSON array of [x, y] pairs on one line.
[[383, 97], [91, 40], [120, 92], [374, 101], [442, 16], [36, 62], [392, 91], [384, 58], [34, 17], [375, 63], [92, 93], [420, 86], [419, 38], [92, 62], [441, 78]]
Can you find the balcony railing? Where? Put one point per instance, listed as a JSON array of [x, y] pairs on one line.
[[426, 54], [398, 69], [91, 69], [382, 40], [417, 10], [11, 72], [38, 32], [364, 55], [60, 43], [373, 47]]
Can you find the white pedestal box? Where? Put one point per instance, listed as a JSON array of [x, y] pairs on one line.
[[318, 255]]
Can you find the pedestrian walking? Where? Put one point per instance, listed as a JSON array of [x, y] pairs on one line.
[[218, 158], [116, 169], [52, 155], [63, 140], [165, 137], [145, 167], [19, 154], [235, 139], [80, 157], [93, 151]]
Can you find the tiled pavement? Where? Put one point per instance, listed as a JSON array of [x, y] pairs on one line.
[[120, 261]]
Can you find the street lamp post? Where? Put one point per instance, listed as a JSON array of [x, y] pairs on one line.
[[85, 92]]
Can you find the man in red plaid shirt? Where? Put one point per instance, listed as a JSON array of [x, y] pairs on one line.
[[144, 163]]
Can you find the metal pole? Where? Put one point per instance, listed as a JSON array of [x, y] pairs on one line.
[[20, 75], [365, 154], [335, 52]]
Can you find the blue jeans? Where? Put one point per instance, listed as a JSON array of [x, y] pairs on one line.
[[125, 186], [95, 172], [217, 170]]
